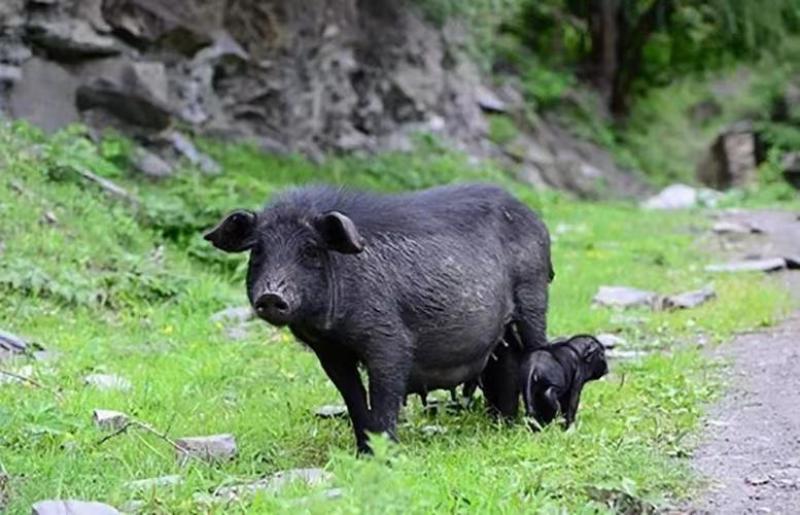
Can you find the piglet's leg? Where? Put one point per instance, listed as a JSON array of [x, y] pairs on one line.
[[342, 368], [551, 397], [572, 404]]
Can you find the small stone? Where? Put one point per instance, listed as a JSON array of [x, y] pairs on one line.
[[275, 482], [432, 430], [623, 297], [49, 218], [725, 227], [72, 507], [209, 448], [233, 314], [107, 382], [331, 411], [11, 344], [611, 341], [626, 354], [150, 164], [756, 480], [109, 419], [488, 101], [689, 299], [46, 356], [676, 196], [792, 262], [751, 265], [330, 494], [10, 74], [155, 482]]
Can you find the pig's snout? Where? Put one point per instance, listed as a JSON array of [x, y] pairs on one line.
[[273, 307]]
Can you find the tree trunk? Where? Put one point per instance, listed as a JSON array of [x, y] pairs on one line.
[[630, 48], [604, 32]]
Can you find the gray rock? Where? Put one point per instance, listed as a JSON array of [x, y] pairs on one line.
[[45, 96], [209, 448], [155, 482], [10, 74], [239, 314], [689, 299], [70, 37], [14, 52], [610, 341], [331, 411], [72, 507], [185, 26], [676, 196], [46, 356], [727, 227], [11, 344], [792, 262], [488, 100], [92, 12], [273, 483], [624, 297], [135, 92], [186, 148], [109, 419], [107, 382], [751, 265], [150, 165], [731, 160], [626, 354], [791, 168]]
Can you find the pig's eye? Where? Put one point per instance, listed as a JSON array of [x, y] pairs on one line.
[[312, 254]]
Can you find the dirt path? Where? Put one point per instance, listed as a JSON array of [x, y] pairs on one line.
[[751, 454]]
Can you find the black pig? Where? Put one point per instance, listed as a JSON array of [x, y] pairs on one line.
[[553, 377], [417, 287]]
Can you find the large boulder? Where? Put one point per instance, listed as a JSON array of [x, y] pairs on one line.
[[733, 158], [136, 92], [45, 95], [70, 38], [182, 25]]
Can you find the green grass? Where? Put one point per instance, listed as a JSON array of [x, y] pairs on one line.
[[129, 290]]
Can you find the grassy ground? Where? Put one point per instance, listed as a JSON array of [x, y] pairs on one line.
[[129, 290]]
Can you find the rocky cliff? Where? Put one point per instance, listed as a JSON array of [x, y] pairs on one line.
[[306, 76]]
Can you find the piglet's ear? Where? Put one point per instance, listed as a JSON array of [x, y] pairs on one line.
[[594, 348], [339, 233], [235, 233]]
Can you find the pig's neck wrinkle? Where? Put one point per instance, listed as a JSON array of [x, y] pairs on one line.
[[333, 292]]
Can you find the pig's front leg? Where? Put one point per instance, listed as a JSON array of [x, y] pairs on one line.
[[388, 367], [341, 366]]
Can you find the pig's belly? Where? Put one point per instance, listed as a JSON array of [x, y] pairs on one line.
[[424, 379]]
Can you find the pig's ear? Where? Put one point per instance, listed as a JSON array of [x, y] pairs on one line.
[[235, 233], [339, 233]]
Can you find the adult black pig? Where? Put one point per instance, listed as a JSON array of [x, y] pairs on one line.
[[417, 287]]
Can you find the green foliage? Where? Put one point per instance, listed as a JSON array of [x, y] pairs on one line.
[[502, 129], [685, 36], [190, 377], [480, 18]]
